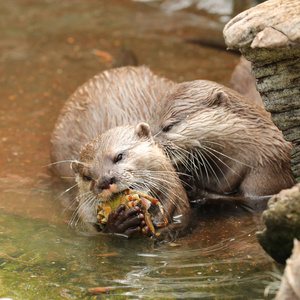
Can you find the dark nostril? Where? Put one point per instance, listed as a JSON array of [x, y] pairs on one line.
[[105, 183], [112, 180]]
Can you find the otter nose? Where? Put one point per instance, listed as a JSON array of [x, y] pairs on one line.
[[105, 183]]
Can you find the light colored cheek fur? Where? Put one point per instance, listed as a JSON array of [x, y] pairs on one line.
[[84, 186], [86, 201]]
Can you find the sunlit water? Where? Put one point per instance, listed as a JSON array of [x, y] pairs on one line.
[[50, 47]]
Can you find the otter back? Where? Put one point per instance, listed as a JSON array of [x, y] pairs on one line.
[[115, 97]]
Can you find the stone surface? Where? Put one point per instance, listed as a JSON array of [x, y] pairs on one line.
[[290, 284], [282, 220], [272, 24], [268, 35]]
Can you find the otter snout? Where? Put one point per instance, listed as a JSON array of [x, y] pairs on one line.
[[106, 186]]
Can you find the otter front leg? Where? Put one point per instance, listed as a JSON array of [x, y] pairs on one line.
[[180, 227], [127, 222], [180, 219]]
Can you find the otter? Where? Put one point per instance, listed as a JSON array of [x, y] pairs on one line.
[[121, 96], [127, 157], [227, 142]]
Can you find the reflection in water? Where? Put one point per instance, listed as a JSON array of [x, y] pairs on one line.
[[221, 258], [47, 50]]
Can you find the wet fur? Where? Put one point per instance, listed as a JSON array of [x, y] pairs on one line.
[[122, 96], [143, 167], [228, 143]]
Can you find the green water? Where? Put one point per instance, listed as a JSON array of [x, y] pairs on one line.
[[220, 260]]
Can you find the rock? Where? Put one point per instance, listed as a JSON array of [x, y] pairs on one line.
[[290, 284], [268, 35], [282, 220]]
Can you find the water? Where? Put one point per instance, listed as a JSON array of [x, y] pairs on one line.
[[50, 47]]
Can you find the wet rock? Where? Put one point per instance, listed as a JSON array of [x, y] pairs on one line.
[[290, 284], [268, 35], [282, 220]]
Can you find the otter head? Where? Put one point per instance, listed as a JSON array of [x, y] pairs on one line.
[[114, 161], [122, 158], [189, 114]]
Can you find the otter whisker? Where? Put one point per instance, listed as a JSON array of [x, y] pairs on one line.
[[199, 156], [65, 161], [67, 190], [160, 175], [69, 205], [174, 173], [161, 178], [238, 161], [210, 150], [69, 177], [179, 156], [159, 132], [210, 142], [196, 165], [209, 167], [76, 199], [83, 207], [173, 150], [219, 168], [185, 153], [151, 185], [167, 189], [59, 162], [151, 177]]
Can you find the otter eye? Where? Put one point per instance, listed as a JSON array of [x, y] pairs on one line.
[[87, 178], [167, 128], [118, 158]]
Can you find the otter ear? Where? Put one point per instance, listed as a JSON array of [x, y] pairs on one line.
[[219, 98], [74, 166], [143, 130]]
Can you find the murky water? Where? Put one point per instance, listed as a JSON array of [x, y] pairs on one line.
[[48, 48]]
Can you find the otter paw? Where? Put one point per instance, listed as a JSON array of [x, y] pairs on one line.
[[122, 221]]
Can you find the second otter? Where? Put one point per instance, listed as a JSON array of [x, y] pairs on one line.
[[229, 144]]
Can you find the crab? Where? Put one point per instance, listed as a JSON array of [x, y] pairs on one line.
[[150, 207]]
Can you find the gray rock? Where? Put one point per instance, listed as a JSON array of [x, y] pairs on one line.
[[282, 220], [290, 284], [268, 35]]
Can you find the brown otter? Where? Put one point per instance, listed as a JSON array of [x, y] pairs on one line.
[[228, 143], [114, 97], [126, 157]]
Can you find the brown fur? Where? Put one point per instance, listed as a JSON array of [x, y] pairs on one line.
[[115, 97], [227, 142], [143, 166]]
